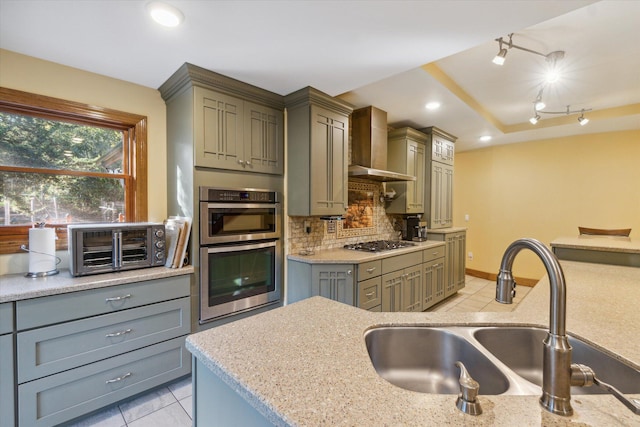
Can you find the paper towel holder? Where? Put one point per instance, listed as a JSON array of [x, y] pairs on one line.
[[41, 273]]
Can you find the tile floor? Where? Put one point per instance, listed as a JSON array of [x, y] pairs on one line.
[[170, 406]]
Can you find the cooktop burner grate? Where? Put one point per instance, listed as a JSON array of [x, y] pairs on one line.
[[378, 245]]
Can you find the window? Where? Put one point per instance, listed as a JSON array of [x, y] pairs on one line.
[[63, 162]]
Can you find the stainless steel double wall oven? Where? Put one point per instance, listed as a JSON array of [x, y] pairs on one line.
[[240, 250]]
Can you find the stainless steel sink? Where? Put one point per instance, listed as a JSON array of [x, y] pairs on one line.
[[422, 359], [504, 360], [523, 355]]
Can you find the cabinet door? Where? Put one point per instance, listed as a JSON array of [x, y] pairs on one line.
[[450, 264], [392, 291], [441, 195], [432, 282], [334, 282], [218, 124], [412, 289], [415, 167], [328, 163], [7, 398], [460, 260], [263, 134]]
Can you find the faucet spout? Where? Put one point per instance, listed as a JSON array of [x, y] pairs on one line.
[[556, 382]]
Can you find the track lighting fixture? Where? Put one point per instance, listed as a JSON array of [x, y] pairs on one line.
[[502, 53], [582, 119]]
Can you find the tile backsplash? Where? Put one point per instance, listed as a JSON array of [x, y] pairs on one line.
[[319, 238]]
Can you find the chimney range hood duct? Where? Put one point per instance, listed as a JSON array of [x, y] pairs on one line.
[[369, 147]]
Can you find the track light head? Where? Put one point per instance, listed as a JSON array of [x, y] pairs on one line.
[[500, 57], [582, 119], [533, 120]]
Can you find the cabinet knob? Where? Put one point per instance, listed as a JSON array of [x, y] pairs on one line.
[[240, 161], [248, 163], [349, 272]]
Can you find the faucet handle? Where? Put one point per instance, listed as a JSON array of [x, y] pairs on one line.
[[467, 399]]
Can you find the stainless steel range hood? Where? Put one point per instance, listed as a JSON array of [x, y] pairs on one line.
[[369, 147], [378, 174]]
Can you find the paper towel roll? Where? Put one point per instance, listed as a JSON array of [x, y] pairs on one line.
[[42, 250]]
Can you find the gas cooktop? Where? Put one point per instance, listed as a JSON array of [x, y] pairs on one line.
[[378, 245]]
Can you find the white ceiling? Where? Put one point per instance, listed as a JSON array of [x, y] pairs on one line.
[[368, 52]]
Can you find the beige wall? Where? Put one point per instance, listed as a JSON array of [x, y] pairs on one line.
[[30, 74], [545, 189]]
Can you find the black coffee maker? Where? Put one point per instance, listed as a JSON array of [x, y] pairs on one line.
[[411, 227]]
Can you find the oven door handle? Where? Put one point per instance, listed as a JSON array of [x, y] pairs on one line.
[[243, 205], [236, 248]]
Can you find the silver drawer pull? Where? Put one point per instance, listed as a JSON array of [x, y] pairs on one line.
[[117, 334], [435, 253], [371, 270], [120, 298], [370, 294], [115, 380]]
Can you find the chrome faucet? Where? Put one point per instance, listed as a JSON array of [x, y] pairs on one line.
[[557, 369]]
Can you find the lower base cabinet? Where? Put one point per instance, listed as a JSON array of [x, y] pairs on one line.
[[7, 398], [454, 260], [102, 346]]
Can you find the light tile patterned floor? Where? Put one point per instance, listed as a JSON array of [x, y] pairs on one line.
[[171, 406]]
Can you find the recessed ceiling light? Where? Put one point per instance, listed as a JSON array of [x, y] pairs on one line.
[[165, 14], [432, 106], [485, 138]]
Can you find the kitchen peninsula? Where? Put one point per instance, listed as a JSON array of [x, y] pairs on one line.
[[598, 249], [306, 364]]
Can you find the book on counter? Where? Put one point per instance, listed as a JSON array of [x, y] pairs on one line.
[[177, 230]]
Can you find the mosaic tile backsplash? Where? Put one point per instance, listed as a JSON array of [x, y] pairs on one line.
[[367, 221]]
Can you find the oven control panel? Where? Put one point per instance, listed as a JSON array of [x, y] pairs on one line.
[[208, 194]]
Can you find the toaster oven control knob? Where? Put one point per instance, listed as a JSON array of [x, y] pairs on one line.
[[159, 255], [159, 233], [160, 244]]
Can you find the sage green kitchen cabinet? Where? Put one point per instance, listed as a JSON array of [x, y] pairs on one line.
[[317, 153], [455, 262], [433, 281], [334, 282], [353, 284], [402, 282], [441, 212], [439, 178], [7, 380], [406, 154], [223, 123], [235, 134], [81, 351]]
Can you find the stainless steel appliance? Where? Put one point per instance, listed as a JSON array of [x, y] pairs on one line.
[[103, 248], [378, 245], [240, 250]]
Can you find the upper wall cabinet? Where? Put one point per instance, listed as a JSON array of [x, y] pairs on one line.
[[406, 154], [439, 178], [317, 153], [236, 126]]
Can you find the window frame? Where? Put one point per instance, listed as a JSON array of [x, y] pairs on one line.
[[134, 128]]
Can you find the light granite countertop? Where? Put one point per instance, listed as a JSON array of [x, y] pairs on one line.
[[348, 256], [319, 372], [15, 287], [599, 243]]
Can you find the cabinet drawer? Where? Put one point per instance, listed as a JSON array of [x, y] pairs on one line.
[[57, 348], [399, 262], [6, 381], [36, 312], [58, 398], [366, 270], [433, 253], [6, 317], [369, 293]]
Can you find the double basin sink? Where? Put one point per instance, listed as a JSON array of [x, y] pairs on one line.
[[504, 360]]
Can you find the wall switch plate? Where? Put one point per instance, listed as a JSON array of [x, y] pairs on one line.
[[470, 255], [466, 217]]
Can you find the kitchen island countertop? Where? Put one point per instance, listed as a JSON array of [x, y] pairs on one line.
[[600, 243], [319, 372]]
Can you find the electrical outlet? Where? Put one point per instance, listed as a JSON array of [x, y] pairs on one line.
[[307, 226], [470, 254], [466, 217]]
